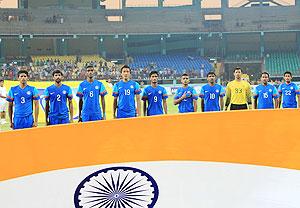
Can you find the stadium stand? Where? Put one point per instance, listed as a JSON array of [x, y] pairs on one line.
[[42, 60], [242, 56], [181, 63], [278, 63]]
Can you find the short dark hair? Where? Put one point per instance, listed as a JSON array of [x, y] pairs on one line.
[[1, 79], [57, 71], [184, 75], [125, 67], [237, 68], [153, 72], [90, 66], [23, 72], [265, 73], [288, 72], [211, 73]]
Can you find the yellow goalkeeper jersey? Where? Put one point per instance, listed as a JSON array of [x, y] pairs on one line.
[[238, 92]]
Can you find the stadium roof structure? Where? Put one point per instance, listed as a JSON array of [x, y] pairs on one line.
[[123, 3], [263, 3]]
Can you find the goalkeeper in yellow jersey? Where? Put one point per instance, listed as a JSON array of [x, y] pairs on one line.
[[238, 92]]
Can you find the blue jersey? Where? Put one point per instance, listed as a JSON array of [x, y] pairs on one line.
[[186, 105], [265, 96], [58, 97], [289, 92], [90, 93], [23, 99], [211, 96], [155, 98], [126, 91]]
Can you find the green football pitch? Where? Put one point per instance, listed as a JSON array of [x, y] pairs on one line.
[[172, 109]]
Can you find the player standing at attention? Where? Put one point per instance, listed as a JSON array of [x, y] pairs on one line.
[[238, 92], [126, 93], [265, 94], [288, 92], [186, 96], [88, 92], [56, 97], [156, 96], [24, 96], [3, 102], [212, 95]]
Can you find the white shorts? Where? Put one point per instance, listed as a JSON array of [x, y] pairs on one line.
[[3, 107]]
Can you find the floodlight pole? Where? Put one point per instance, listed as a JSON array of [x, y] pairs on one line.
[[224, 4], [61, 4]]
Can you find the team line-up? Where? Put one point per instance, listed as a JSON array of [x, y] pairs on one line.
[[127, 99]]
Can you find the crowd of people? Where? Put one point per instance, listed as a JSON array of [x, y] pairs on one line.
[[41, 70]]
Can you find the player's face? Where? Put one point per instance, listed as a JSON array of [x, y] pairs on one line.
[[90, 72], [264, 78], [185, 80], [23, 78], [288, 78], [154, 78], [125, 73], [211, 78], [1, 84], [58, 78], [237, 74]]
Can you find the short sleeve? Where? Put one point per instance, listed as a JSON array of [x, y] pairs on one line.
[[176, 95], [115, 91], [70, 93], [36, 95], [79, 91], [165, 94], [275, 93], [255, 95], [137, 89], [103, 91], [222, 93], [201, 95], [280, 89], [145, 94], [4, 91], [297, 89], [195, 96], [10, 96], [46, 94]]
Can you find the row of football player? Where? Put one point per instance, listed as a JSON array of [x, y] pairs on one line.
[[127, 98]]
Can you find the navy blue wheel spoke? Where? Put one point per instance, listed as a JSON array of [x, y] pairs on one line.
[[132, 202], [128, 183], [111, 189], [134, 188]]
